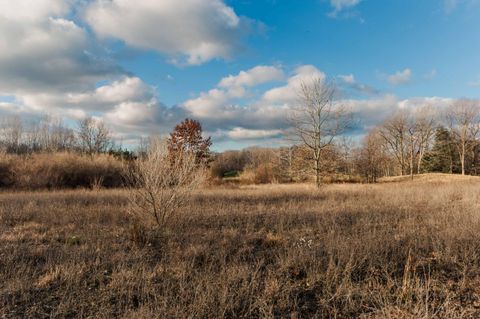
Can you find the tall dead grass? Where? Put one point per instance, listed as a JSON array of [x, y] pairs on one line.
[[396, 250], [60, 170]]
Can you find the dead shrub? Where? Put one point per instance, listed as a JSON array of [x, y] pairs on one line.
[[162, 184]]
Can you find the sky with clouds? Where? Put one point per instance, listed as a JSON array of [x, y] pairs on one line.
[[235, 65]]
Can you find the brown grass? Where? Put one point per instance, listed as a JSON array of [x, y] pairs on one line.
[[60, 170], [395, 250]]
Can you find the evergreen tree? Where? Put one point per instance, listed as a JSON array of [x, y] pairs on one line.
[[442, 157]]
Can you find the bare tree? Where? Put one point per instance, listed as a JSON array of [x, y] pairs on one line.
[[12, 133], [317, 120], [162, 184], [425, 123], [371, 158], [93, 135], [50, 134], [394, 132], [408, 135], [463, 121]]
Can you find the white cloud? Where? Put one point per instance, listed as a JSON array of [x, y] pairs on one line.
[[255, 76], [239, 133], [400, 77], [27, 11], [197, 30], [219, 102], [289, 92], [128, 105], [238, 109], [124, 89], [41, 51]]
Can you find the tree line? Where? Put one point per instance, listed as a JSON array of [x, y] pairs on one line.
[[408, 142], [51, 134]]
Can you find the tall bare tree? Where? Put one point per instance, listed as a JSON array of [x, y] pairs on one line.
[[463, 121], [50, 134], [425, 123], [395, 132], [371, 158], [93, 135], [408, 135], [317, 120]]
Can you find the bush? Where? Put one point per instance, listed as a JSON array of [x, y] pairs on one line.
[[161, 183], [262, 174]]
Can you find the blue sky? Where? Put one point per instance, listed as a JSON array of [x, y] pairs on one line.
[[141, 66]]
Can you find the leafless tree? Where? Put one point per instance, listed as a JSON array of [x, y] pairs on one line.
[[317, 120], [463, 121], [371, 158], [12, 133], [162, 184], [425, 123], [50, 134], [345, 146], [93, 135], [394, 132], [408, 135]]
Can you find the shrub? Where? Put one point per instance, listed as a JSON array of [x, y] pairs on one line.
[[161, 184], [262, 174]]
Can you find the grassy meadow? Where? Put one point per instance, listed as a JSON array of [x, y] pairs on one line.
[[398, 249]]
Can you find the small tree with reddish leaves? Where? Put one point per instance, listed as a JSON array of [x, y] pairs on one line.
[[187, 137]]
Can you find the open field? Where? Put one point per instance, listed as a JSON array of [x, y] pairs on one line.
[[392, 250]]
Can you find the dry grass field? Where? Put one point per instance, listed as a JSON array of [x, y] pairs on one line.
[[391, 250]]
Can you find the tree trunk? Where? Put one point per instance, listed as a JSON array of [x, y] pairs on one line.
[[419, 164], [317, 172], [411, 162]]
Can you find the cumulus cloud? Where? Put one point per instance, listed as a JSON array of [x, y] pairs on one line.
[[255, 76], [128, 105], [233, 108], [40, 50], [219, 103], [50, 65], [289, 92], [240, 133], [400, 77], [190, 30]]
